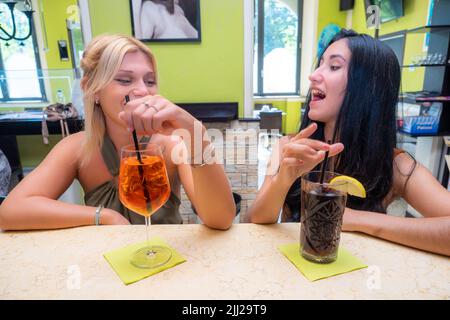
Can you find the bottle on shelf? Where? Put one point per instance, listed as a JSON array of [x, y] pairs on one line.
[[60, 98]]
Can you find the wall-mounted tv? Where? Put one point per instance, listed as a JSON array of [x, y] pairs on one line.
[[389, 9]]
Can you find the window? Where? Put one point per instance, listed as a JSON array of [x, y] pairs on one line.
[[276, 68], [20, 73]]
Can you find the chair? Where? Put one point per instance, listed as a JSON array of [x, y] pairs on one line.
[[270, 121], [8, 145]]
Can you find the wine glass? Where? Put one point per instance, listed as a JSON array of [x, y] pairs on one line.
[[143, 188]]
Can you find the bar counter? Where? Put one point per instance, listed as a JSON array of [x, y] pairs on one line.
[[240, 263]]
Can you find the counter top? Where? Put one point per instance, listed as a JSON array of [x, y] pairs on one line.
[[241, 263]]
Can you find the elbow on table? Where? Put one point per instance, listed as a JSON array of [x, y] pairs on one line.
[[258, 219], [224, 222], [4, 221]]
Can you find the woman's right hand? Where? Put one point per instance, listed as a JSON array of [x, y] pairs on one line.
[[301, 154], [112, 217]]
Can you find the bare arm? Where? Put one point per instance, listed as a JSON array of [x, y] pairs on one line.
[[209, 190], [294, 156], [425, 194], [207, 187], [429, 234], [270, 198], [33, 205]]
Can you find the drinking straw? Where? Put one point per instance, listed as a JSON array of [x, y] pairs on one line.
[[135, 140], [325, 162], [138, 154]]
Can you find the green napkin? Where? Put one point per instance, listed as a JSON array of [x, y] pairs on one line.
[[345, 262], [119, 260]]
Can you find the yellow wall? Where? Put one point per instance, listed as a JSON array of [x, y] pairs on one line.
[[415, 16], [291, 108], [329, 13], [210, 71], [55, 13]]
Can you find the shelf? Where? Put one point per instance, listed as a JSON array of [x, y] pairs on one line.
[[426, 29], [418, 97], [433, 99], [439, 134], [426, 65]]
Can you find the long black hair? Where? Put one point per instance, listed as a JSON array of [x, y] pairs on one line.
[[366, 122]]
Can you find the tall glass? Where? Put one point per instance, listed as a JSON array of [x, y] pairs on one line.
[[322, 209], [143, 188]]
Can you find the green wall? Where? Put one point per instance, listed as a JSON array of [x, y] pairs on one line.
[[55, 13], [329, 13], [31, 148], [209, 71], [415, 16], [291, 108]]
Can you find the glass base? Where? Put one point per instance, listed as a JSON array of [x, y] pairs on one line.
[[318, 259], [151, 257]]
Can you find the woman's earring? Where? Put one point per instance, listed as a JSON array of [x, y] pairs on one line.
[[97, 103]]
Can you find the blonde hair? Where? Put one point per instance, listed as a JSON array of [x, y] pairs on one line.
[[100, 63]]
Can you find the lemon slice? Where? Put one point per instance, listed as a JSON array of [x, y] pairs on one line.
[[349, 185]]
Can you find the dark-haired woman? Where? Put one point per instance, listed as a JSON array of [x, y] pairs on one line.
[[352, 102]]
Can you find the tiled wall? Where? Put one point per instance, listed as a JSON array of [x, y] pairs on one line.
[[240, 163]]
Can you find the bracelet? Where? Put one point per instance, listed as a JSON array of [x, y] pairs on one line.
[[204, 162], [97, 215]]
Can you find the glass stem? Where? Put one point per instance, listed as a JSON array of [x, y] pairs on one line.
[[147, 223]]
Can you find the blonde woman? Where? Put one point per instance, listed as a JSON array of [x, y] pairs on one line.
[[115, 66]]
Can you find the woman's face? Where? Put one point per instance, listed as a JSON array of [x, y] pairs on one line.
[[329, 82], [135, 78]]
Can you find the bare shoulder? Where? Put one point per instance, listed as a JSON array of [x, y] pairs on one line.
[[404, 164], [67, 149], [403, 168]]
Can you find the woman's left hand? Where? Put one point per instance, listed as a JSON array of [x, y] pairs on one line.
[[156, 114]]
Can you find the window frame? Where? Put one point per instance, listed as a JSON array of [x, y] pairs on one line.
[[3, 79], [260, 51]]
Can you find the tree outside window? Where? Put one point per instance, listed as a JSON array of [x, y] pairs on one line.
[[277, 47]]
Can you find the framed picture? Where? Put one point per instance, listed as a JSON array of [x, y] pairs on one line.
[[166, 20]]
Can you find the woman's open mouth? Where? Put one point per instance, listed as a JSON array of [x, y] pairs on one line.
[[317, 95]]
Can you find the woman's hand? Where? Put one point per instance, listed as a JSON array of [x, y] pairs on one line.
[[156, 114], [112, 217], [302, 154]]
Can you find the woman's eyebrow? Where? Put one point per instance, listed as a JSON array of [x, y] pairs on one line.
[[150, 73], [333, 56]]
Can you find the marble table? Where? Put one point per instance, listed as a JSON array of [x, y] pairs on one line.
[[241, 263]]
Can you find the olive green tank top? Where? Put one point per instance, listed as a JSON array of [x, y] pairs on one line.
[[107, 194]]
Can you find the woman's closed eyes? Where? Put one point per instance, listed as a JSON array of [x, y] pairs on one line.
[[124, 81]]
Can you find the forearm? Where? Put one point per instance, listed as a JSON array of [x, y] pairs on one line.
[[35, 212], [269, 201], [213, 198], [429, 234]]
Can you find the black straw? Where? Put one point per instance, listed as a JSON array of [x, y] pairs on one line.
[[138, 154], [135, 140], [324, 165]]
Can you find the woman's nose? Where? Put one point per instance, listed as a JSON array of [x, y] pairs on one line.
[[316, 76], [139, 90]]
